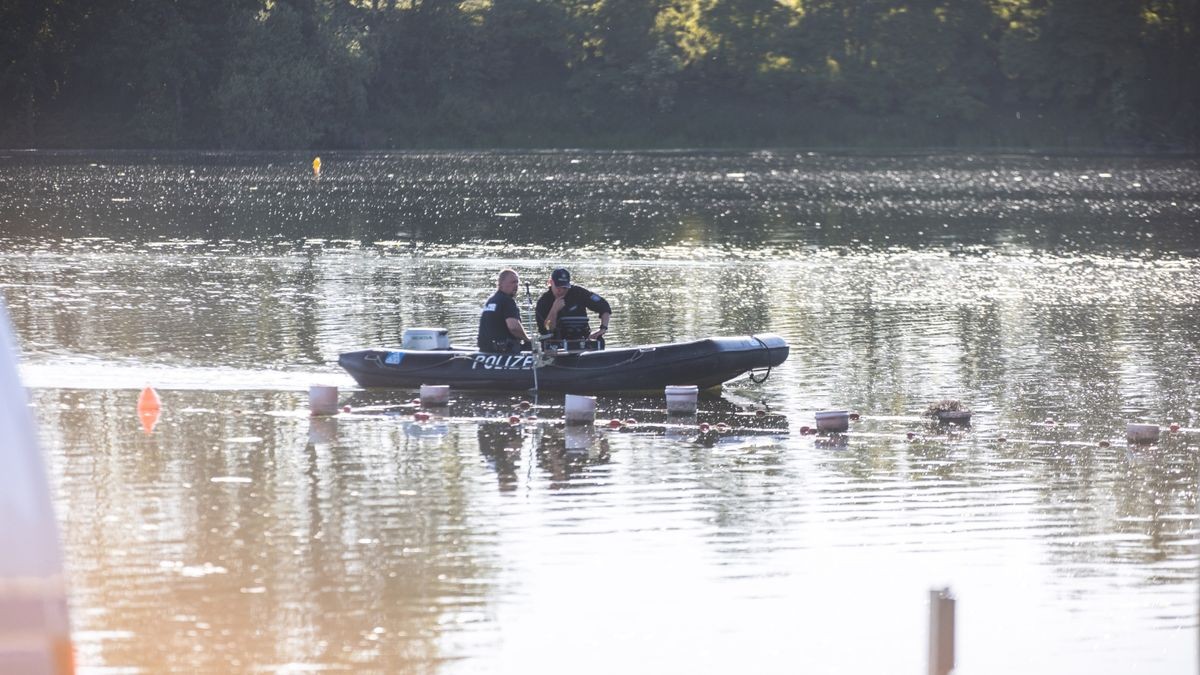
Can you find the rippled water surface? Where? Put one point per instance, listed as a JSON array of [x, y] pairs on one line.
[[1056, 297]]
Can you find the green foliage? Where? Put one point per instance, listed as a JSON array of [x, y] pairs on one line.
[[36, 43], [1084, 57], [411, 73], [287, 83], [150, 63]]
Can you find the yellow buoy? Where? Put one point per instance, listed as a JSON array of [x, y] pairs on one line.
[[317, 167]]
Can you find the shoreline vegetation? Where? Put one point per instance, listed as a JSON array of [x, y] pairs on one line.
[[1073, 76]]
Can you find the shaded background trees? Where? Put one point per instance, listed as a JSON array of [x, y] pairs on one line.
[[416, 73]]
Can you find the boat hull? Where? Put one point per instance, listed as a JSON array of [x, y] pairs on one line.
[[704, 363]]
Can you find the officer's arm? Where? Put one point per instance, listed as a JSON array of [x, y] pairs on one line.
[[600, 306], [516, 329]]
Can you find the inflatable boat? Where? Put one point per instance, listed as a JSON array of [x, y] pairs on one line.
[[576, 367]]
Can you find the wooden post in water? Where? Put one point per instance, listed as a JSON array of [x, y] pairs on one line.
[[941, 632]]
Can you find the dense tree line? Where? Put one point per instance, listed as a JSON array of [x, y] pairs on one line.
[[249, 74]]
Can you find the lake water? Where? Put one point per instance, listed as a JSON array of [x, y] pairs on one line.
[[1057, 297]]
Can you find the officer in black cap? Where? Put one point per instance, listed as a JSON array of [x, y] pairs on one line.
[[562, 309]]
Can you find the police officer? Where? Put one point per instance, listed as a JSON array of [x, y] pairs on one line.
[[564, 306], [500, 328]]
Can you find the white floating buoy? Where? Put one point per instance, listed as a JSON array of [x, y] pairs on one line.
[[580, 409], [435, 394], [1141, 433], [833, 420], [681, 399], [322, 399]]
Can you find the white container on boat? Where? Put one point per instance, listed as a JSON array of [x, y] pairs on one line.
[[1141, 433], [425, 339], [435, 394], [681, 399], [322, 399], [833, 420], [580, 409]]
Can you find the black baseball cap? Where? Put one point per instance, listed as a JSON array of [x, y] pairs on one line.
[[561, 277]]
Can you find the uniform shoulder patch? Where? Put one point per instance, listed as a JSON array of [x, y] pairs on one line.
[[595, 298]]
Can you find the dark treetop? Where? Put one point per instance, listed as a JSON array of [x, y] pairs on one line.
[[300, 74]]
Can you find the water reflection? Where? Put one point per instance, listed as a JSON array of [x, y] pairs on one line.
[[251, 533], [322, 430], [570, 450], [634, 201], [244, 534], [501, 444]]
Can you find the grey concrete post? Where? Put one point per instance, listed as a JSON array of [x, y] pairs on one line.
[[941, 632]]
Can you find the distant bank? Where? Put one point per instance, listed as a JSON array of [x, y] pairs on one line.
[[329, 74], [725, 126]]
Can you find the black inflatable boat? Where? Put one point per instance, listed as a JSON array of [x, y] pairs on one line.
[[704, 363]]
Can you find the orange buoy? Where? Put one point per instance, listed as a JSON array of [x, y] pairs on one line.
[[1174, 426], [704, 427], [149, 419], [513, 419], [421, 416], [148, 408], [148, 400], [614, 424]]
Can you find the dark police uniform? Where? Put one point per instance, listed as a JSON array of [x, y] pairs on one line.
[[493, 327], [576, 303]]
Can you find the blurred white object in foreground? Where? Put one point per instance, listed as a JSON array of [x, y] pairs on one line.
[[34, 632]]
